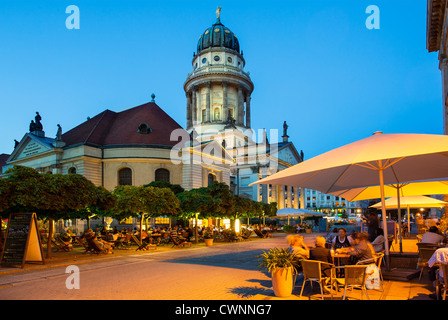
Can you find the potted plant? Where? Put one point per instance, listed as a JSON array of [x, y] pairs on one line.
[[280, 263], [307, 227], [289, 229], [208, 238]]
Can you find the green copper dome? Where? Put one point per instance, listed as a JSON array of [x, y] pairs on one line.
[[218, 36]]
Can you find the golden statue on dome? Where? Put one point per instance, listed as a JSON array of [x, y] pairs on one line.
[[218, 12]]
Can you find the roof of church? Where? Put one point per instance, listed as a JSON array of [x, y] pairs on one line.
[[122, 128], [218, 36]]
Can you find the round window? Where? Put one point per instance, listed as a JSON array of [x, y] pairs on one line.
[[204, 60], [229, 59], [217, 58]]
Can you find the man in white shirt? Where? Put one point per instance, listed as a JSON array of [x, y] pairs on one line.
[[433, 236]]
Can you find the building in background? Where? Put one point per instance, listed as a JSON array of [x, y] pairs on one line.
[[143, 144]]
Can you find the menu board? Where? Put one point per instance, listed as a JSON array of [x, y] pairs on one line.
[[22, 241]]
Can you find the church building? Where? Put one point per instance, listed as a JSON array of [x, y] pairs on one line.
[[143, 144]]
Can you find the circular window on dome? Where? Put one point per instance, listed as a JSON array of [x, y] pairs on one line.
[[204, 60], [229, 59], [206, 31], [217, 58], [216, 29], [227, 31]]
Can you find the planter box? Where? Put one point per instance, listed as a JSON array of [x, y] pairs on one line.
[[208, 242], [308, 230]]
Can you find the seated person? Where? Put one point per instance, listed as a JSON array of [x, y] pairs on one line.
[[320, 253], [361, 250], [99, 243], [297, 246], [433, 236], [342, 240], [378, 243]]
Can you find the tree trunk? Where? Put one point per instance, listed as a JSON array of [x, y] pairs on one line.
[[196, 230], [141, 228], [50, 235]]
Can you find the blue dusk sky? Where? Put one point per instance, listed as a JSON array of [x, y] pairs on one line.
[[314, 64]]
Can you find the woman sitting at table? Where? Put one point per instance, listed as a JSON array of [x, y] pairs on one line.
[[378, 243], [297, 246], [342, 240], [362, 249]]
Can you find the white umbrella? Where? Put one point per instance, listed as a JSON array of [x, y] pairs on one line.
[[376, 160], [400, 190], [411, 202]]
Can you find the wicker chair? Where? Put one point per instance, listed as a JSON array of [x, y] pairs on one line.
[[377, 260], [424, 254], [312, 272], [442, 285], [355, 277]]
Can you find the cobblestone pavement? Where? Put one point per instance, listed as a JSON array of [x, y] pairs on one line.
[[221, 272]]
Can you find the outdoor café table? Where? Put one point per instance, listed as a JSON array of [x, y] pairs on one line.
[[156, 237], [340, 259]]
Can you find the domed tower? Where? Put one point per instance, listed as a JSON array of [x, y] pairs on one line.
[[218, 90]]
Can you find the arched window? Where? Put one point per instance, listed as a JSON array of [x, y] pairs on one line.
[[211, 178], [162, 175], [72, 170], [125, 177], [143, 128]]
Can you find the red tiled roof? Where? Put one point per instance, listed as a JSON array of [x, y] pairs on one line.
[[118, 128]]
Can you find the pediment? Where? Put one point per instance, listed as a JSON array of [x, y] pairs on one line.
[[30, 146], [287, 153]]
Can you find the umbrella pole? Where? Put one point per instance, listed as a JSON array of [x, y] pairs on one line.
[[409, 221], [383, 210], [399, 220]]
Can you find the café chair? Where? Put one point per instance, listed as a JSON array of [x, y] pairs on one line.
[[424, 254], [312, 272], [439, 284], [354, 277], [84, 244], [179, 243], [376, 260]]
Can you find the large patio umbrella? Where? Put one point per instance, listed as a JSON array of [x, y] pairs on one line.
[[398, 191], [376, 160], [411, 202]]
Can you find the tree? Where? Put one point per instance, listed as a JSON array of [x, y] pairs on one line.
[[51, 196], [133, 201], [103, 202], [163, 184], [244, 207]]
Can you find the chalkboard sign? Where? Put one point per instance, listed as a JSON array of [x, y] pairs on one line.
[[22, 242]]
